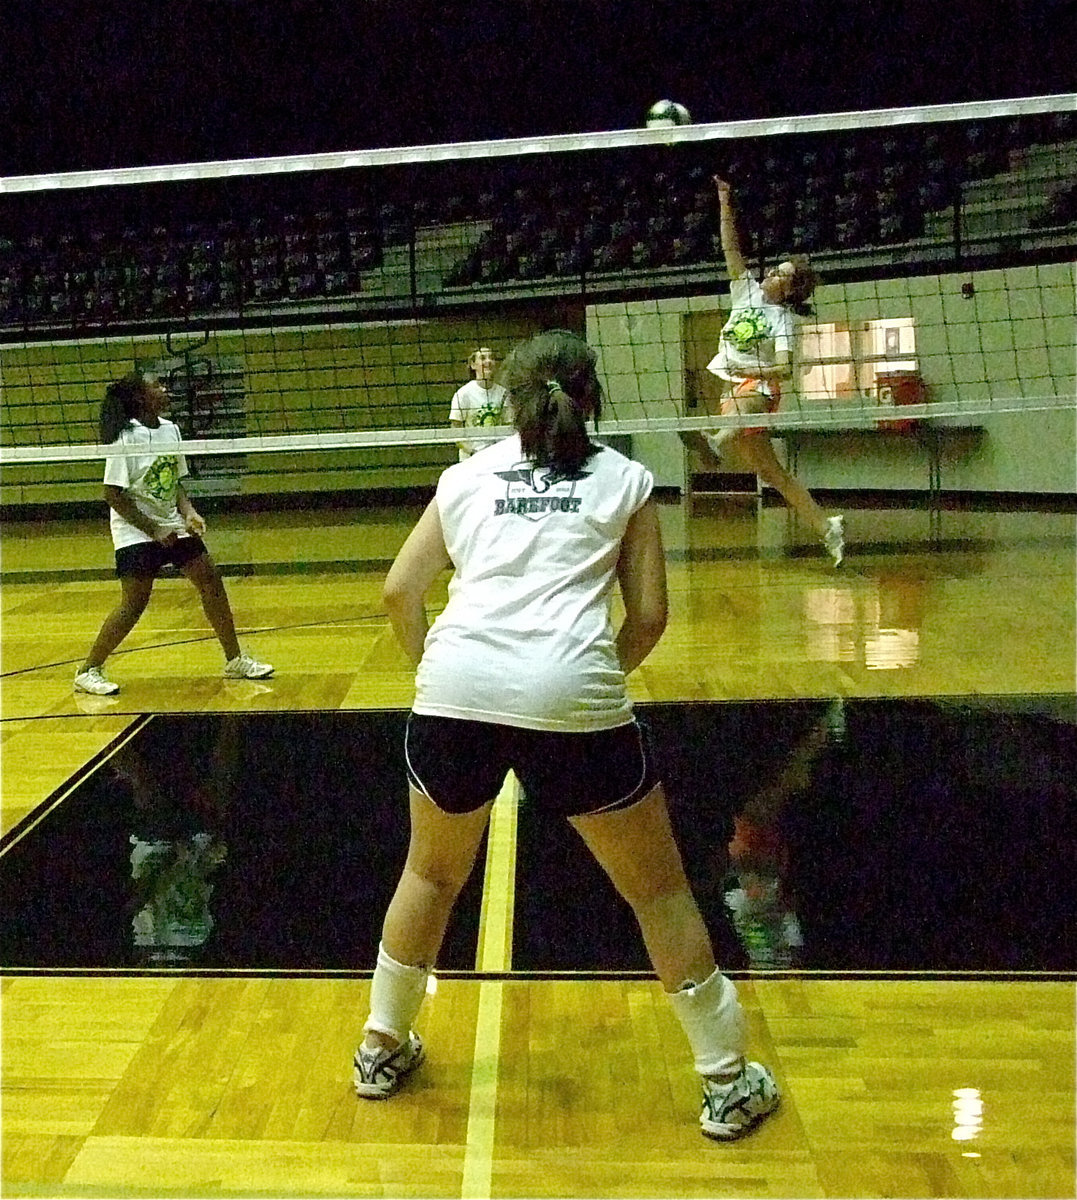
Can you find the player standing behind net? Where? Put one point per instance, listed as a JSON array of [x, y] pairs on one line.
[[480, 401], [754, 358], [524, 663], [153, 522]]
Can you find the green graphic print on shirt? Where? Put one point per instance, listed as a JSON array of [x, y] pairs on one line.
[[161, 479], [487, 414], [748, 329]]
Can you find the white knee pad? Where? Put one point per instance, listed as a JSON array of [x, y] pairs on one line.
[[713, 1021], [396, 994]]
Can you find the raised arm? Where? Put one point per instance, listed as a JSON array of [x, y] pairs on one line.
[[730, 238]]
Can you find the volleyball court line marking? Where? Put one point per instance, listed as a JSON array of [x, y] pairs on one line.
[[75, 781], [494, 954], [205, 637]]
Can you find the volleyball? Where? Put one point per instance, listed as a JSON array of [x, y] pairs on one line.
[[667, 113]]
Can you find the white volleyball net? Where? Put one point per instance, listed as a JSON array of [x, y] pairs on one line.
[[312, 316]]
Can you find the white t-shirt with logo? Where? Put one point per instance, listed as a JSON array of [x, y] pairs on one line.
[[526, 638], [475, 406], [150, 479], [754, 334]]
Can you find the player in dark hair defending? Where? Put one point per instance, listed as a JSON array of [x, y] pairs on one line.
[[524, 662], [153, 522]]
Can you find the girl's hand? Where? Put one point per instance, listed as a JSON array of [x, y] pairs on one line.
[[167, 537], [195, 523], [722, 185]]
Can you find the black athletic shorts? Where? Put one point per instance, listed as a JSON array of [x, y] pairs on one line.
[[147, 558], [461, 765]]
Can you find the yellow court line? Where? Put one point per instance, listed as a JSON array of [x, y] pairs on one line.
[[494, 954], [495, 924]]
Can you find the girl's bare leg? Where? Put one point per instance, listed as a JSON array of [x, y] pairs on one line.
[[636, 848], [202, 572], [118, 624], [758, 453]]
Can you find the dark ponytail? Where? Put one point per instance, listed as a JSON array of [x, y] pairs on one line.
[[123, 400], [554, 391]]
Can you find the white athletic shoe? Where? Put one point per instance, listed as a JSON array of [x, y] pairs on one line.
[[245, 667], [834, 539], [92, 681], [730, 1110], [378, 1073]]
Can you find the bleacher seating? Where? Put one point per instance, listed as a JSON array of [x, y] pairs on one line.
[[529, 225]]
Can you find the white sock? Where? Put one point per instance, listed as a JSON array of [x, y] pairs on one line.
[[713, 1021], [396, 994]]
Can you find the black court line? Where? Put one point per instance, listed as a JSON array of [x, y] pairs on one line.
[[845, 836], [202, 637], [368, 566], [927, 838], [189, 972], [219, 840]]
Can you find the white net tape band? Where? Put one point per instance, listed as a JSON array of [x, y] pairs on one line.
[[863, 417], [267, 389], [612, 139]]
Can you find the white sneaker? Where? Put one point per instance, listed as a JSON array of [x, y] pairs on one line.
[[92, 680], [730, 1110], [245, 667], [834, 539], [378, 1073]]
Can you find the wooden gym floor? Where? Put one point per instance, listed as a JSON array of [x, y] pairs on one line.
[[923, 1032]]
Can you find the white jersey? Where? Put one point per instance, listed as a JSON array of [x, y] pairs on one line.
[[754, 334], [526, 638], [475, 406], [150, 479]]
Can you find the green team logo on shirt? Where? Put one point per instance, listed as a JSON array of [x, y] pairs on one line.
[[487, 414], [161, 479], [748, 329]]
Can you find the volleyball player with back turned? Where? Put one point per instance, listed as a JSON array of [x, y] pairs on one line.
[[524, 663]]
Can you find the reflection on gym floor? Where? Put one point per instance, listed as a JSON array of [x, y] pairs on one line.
[[843, 836]]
